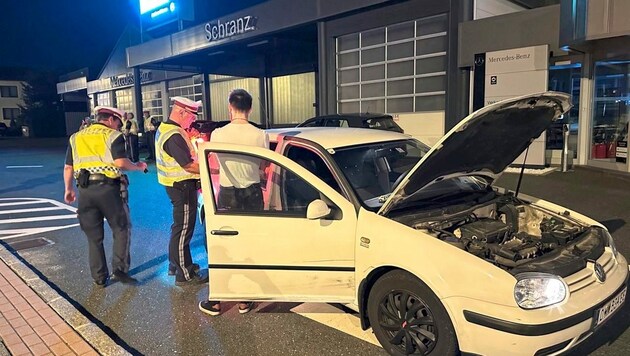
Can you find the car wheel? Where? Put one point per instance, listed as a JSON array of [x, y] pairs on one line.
[[408, 319]]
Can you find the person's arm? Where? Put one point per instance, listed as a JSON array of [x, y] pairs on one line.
[[68, 178], [192, 167], [177, 148], [120, 157]]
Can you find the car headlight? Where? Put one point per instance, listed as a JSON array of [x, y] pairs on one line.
[[537, 290], [609, 241]]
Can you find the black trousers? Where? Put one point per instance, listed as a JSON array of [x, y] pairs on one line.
[[133, 152], [245, 199], [98, 201], [150, 144], [183, 197]]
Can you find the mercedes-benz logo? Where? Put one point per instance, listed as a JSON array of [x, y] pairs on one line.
[[479, 61], [600, 273]]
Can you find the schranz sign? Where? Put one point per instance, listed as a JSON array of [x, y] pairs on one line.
[[219, 30]]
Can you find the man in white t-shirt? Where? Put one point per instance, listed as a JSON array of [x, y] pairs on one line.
[[239, 176]]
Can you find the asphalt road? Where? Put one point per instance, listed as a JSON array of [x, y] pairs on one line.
[[158, 318]]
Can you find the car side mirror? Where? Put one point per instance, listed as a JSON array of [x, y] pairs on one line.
[[317, 209]]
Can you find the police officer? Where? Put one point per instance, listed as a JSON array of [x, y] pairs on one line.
[[95, 158], [178, 171]]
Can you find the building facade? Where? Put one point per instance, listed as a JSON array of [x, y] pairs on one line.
[[11, 97]]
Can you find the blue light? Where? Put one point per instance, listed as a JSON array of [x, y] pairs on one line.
[[172, 7], [148, 5]]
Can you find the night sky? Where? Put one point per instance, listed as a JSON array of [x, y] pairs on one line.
[[61, 35]]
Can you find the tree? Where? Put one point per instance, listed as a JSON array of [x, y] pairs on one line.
[[42, 111]]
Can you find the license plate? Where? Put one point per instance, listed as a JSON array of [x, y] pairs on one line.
[[609, 308]]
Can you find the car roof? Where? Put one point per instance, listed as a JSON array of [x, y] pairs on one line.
[[355, 116], [335, 137]]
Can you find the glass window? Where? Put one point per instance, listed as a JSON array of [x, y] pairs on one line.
[[611, 108], [391, 58], [293, 98], [565, 79], [314, 163], [124, 99], [152, 100], [10, 113], [243, 183], [189, 88], [8, 91], [373, 170], [220, 89]]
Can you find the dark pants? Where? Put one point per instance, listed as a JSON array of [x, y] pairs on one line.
[[183, 197], [98, 201], [246, 199], [151, 144], [132, 150]]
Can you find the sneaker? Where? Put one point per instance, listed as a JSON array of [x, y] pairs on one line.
[[173, 271], [123, 277], [196, 278], [210, 307], [245, 307]]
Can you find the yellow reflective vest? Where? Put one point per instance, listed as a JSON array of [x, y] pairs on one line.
[[92, 150], [169, 171]]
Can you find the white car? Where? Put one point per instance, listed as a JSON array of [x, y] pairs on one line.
[[432, 256]]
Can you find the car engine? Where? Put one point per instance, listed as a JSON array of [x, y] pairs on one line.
[[516, 236]]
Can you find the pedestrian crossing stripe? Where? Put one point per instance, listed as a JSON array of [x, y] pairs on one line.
[[21, 206]]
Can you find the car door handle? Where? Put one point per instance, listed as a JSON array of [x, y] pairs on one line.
[[224, 232]]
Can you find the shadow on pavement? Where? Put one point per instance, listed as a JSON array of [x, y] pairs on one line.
[[32, 183], [614, 224]]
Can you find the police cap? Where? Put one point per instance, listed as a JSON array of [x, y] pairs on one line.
[[109, 110], [187, 104]]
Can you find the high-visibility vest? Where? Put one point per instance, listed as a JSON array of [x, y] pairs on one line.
[[92, 150], [169, 171]]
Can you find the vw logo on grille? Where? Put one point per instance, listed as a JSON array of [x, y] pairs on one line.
[[600, 273]]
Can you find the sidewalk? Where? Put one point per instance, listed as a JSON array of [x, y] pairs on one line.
[[36, 320]]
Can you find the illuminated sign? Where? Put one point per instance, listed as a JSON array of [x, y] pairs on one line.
[[149, 5], [219, 30], [128, 79]]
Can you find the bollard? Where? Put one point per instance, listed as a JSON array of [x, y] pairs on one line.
[[565, 147]]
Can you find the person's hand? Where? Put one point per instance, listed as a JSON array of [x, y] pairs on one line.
[[70, 196], [141, 166]]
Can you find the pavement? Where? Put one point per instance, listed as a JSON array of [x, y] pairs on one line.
[[35, 319]]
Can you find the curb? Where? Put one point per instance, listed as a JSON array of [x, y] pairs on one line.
[[90, 332]]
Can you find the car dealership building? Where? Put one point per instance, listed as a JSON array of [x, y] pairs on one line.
[[426, 62]]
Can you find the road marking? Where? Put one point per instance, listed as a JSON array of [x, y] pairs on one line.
[[39, 205], [9, 167], [18, 211], [337, 319], [38, 218]]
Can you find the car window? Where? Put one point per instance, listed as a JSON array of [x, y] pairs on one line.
[[383, 123], [332, 123], [373, 170], [245, 184], [314, 163], [313, 123]]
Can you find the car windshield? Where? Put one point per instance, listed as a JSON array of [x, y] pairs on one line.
[[383, 123], [373, 170]]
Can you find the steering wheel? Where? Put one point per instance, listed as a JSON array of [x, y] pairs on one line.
[[399, 179]]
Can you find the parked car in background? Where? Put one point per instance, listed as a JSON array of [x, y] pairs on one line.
[[364, 120], [419, 241]]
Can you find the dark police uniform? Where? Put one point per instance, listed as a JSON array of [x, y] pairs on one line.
[[101, 195], [174, 151]]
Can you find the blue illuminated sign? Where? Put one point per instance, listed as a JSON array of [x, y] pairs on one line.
[[149, 5]]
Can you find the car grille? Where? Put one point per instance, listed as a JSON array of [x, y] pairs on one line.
[[586, 277]]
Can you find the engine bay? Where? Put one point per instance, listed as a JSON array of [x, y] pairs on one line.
[[516, 236]]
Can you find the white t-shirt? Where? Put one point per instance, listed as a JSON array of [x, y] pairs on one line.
[[237, 170]]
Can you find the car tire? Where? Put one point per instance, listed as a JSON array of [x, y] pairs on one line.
[[428, 327]]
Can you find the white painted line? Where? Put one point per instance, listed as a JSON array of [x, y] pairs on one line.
[[32, 231], [337, 319], [38, 218], [38, 205], [22, 203], [9, 167], [19, 211]]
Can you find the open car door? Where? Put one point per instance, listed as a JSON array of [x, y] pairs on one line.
[[298, 245]]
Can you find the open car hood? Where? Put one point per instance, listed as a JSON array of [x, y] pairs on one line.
[[484, 143]]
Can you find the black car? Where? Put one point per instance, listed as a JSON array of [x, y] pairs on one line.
[[365, 120]]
